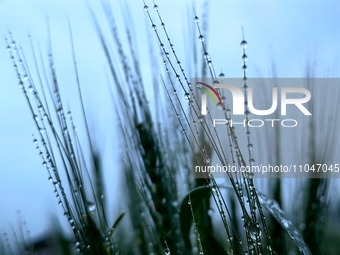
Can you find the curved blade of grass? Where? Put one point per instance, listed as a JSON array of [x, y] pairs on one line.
[[273, 207], [196, 197]]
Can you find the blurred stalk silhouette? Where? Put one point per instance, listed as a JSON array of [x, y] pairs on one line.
[[167, 210]]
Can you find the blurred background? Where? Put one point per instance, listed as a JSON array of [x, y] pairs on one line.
[[283, 39]]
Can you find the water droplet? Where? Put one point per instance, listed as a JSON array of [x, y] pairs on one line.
[[154, 27], [221, 75], [250, 146], [244, 57], [252, 161], [175, 92], [206, 55], [187, 96], [244, 44], [219, 106], [201, 38], [197, 19], [209, 63], [91, 207], [206, 159], [167, 251], [155, 7], [189, 202], [244, 67], [146, 8], [200, 119]]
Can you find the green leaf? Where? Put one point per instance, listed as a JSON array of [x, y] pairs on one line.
[[197, 196]]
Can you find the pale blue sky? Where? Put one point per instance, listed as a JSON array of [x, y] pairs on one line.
[[285, 32]]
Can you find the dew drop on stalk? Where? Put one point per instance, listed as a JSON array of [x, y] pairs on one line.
[[167, 251], [201, 38], [207, 160], [228, 113], [175, 92], [252, 161], [187, 96], [197, 19], [146, 8], [250, 146], [155, 7], [91, 207], [219, 106], [154, 27], [200, 119], [189, 202], [244, 44]]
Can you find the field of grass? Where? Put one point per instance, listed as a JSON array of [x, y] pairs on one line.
[[119, 135]]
